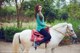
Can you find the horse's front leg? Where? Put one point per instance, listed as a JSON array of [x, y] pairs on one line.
[[49, 50], [46, 50], [52, 50]]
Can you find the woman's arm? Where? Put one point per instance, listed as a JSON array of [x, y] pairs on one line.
[[40, 16], [40, 20], [47, 25]]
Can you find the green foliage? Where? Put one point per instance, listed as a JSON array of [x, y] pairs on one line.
[[74, 22], [10, 31], [74, 10], [47, 5], [29, 13], [51, 8], [28, 7], [7, 11]]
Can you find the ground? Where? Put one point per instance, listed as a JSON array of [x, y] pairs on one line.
[[6, 47]]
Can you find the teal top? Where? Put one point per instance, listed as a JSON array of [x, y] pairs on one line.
[[40, 23]]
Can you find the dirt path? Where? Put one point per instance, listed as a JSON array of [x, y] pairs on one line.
[[5, 47]]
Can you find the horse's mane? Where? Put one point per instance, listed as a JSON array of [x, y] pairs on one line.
[[59, 25]]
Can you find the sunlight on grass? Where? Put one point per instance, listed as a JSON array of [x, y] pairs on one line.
[[32, 24]]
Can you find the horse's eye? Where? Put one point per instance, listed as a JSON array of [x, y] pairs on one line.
[[71, 30]]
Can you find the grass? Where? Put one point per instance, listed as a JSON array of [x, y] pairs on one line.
[[29, 25], [32, 24]]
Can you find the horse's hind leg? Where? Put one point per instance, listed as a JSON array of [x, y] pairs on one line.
[[15, 43], [26, 46], [26, 50]]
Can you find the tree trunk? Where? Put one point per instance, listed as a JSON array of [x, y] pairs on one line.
[[19, 11], [1, 2]]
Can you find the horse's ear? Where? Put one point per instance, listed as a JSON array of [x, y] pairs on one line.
[[64, 24], [69, 24]]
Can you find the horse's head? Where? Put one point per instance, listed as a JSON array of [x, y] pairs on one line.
[[66, 29], [70, 30], [71, 33]]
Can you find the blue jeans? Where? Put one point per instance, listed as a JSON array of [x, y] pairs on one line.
[[46, 35]]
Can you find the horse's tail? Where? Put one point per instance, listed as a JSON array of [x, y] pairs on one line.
[[15, 43]]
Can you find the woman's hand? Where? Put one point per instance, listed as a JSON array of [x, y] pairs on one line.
[[48, 25]]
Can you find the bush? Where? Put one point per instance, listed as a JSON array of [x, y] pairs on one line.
[[10, 31], [2, 33], [8, 10]]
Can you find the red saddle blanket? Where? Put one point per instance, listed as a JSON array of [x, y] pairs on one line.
[[36, 36]]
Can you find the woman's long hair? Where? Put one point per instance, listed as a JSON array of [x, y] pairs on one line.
[[36, 9]]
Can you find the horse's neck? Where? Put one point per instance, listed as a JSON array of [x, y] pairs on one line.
[[53, 32], [56, 36], [61, 29]]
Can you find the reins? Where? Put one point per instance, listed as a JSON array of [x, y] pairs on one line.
[[63, 33]]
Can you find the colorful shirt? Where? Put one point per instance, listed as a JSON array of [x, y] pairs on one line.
[[40, 23]]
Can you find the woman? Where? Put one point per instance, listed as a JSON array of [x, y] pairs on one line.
[[41, 25]]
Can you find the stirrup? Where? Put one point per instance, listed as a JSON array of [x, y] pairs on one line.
[[36, 45]]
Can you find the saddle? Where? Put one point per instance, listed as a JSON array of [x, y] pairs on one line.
[[36, 36]]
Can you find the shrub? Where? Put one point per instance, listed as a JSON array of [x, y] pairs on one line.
[[2, 33], [10, 31]]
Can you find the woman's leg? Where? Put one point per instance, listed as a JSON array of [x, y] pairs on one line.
[[46, 35]]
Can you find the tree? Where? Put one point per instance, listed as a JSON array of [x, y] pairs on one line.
[[74, 10], [1, 1], [48, 7], [19, 11]]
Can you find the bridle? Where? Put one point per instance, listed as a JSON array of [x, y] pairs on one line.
[[67, 33]]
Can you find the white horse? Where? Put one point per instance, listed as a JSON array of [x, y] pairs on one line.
[[57, 32]]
